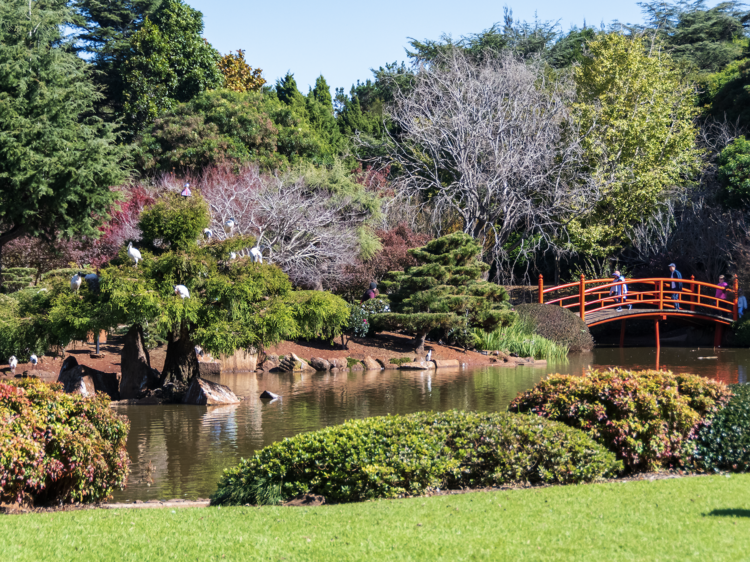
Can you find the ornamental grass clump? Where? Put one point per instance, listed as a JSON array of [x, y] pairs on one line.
[[398, 456], [648, 418], [57, 447], [725, 443]]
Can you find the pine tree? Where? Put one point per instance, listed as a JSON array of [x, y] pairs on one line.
[[57, 163], [445, 292]]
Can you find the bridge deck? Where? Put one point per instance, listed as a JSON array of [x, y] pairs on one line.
[[596, 317]]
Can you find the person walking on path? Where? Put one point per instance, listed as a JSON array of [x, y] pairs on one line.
[[722, 293], [675, 284], [370, 293], [741, 304], [620, 291]]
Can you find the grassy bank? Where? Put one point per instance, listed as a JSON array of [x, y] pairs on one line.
[[519, 338], [704, 518]]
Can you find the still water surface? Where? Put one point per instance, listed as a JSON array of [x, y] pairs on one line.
[[180, 451]]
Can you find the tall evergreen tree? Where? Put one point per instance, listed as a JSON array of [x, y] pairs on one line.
[[57, 162]]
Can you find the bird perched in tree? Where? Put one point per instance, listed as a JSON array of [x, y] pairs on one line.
[[92, 280], [256, 254], [232, 256], [229, 226], [13, 362], [199, 351], [75, 281], [181, 291], [134, 254], [34, 360], [207, 233]]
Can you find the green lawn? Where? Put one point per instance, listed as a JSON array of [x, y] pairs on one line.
[[705, 518]]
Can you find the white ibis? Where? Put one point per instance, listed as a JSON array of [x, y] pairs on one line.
[[181, 291], [13, 362], [232, 256], [229, 226], [207, 233], [134, 254], [34, 360], [429, 355], [75, 282], [256, 254]]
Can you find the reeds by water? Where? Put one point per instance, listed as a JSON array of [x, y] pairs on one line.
[[520, 339]]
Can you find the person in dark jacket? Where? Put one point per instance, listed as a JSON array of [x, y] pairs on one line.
[[675, 284], [370, 293]]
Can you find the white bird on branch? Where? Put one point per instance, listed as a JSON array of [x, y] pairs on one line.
[[34, 360], [229, 226], [232, 256], [134, 254], [256, 254], [181, 291], [75, 281], [207, 233], [13, 362]]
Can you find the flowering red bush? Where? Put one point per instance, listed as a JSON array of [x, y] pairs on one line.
[[57, 447], [648, 418]]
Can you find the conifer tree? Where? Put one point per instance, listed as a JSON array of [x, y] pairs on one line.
[[445, 292]]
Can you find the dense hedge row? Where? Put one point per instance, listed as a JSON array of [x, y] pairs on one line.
[[648, 418], [725, 443], [392, 456], [557, 324], [57, 447]]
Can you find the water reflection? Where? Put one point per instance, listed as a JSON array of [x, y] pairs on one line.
[[180, 451]]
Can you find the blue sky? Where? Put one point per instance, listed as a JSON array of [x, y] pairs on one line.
[[344, 40]]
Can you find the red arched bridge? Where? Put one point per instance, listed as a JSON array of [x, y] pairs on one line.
[[598, 301]]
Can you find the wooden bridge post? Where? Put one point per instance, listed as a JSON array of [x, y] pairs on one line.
[[658, 343], [718, 332], [661, 302], [693, 289], [735, 308], [582, 297], [541, 289]]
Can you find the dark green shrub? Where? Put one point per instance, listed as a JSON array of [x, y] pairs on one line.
[[557, 324], [19, 334], [725, 443], [175, 222], [648, 418], [360, 322], [395, 456], [16, 278], [318, 314], [57, 447]]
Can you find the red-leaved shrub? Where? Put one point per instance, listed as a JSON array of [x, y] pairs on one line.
[[57, 447], [648, 418]]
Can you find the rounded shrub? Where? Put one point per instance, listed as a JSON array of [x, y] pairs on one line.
[[396, 456], [648, 418], [57, 447], [318, 314], [176, 222], [725, 443], [557, 324]]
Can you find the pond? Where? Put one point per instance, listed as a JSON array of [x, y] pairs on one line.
[[180, 451]]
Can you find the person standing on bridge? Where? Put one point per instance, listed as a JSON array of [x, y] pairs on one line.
[[620, 291], [677, 285], [722, 293]]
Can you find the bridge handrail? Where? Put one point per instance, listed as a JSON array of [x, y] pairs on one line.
[[661, 287]]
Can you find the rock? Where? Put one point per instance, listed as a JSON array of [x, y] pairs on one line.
[[74, 382], [357, 367], [79, 379], [305, 500], [382, 363], [209, 369], [320, 364], [339, 363], [267, 365], [273, 358], [97, 355], [370, 364], [206, 393], [137, 374], [418, 366], [446, 363], [108, 383], [293, 363], [266, 395]]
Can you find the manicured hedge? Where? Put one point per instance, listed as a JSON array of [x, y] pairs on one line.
[[57, 447], [557, 324], [394, 456], [648, 418], [725, 444]]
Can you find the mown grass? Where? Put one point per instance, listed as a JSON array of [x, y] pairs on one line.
[[702, 518], [519, 338]]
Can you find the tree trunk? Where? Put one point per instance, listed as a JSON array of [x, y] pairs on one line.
[[135, 363], [420, 342], [181, 363]]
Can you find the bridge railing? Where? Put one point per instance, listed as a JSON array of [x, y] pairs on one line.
[[596, 295]]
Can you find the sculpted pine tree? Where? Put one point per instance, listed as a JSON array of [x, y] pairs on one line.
[[445, 292]]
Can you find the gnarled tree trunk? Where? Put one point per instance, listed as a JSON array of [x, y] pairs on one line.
[[137, 374], [181, 363]]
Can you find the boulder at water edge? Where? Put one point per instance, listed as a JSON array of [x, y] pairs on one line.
[[338, 363], [371, 365], [320, 364], [447, 363], [206, 393], [80, 379], [293, 363], [267, 395], [418, 366]]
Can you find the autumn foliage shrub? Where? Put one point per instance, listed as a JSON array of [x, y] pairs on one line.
[[648, 418], [396, 456], [557, 324], [57, 447]]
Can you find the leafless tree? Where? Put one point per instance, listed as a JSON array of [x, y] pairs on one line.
[[311, 234], [492, 146]]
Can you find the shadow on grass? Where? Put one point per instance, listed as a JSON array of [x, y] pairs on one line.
[[730, 513]]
